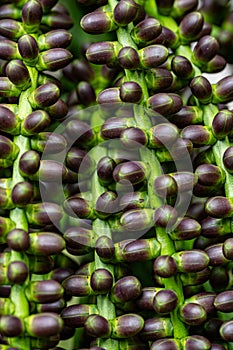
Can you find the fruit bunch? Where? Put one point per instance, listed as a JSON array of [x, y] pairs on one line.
[[116, 163]]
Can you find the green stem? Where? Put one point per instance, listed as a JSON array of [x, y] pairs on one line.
[[219, 147], [152, 163], [125, 39], [101, 227], [185, 50], [167, 245], [152, 10], [24, 145], [18, 215]]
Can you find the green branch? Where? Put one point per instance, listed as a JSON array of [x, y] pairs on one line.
[[219, 147], [18, 215], [125, 39], [101, 227]]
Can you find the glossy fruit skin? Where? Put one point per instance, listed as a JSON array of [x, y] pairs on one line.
[[146, 30], [206, 48], [191, 25], [165, 266], [127, 325], [37, 328], [126, 289], [98, 22], [191, 260], [156, 328], [18, 73], [165, 301], [223, 90], [11, 326], [165, 344]]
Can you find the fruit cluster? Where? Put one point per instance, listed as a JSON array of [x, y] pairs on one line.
[[116, 173]]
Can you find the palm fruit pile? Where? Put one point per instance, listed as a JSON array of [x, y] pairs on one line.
[[116, 175]]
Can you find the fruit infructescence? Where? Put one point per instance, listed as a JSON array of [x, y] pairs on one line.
[[116, 198]]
